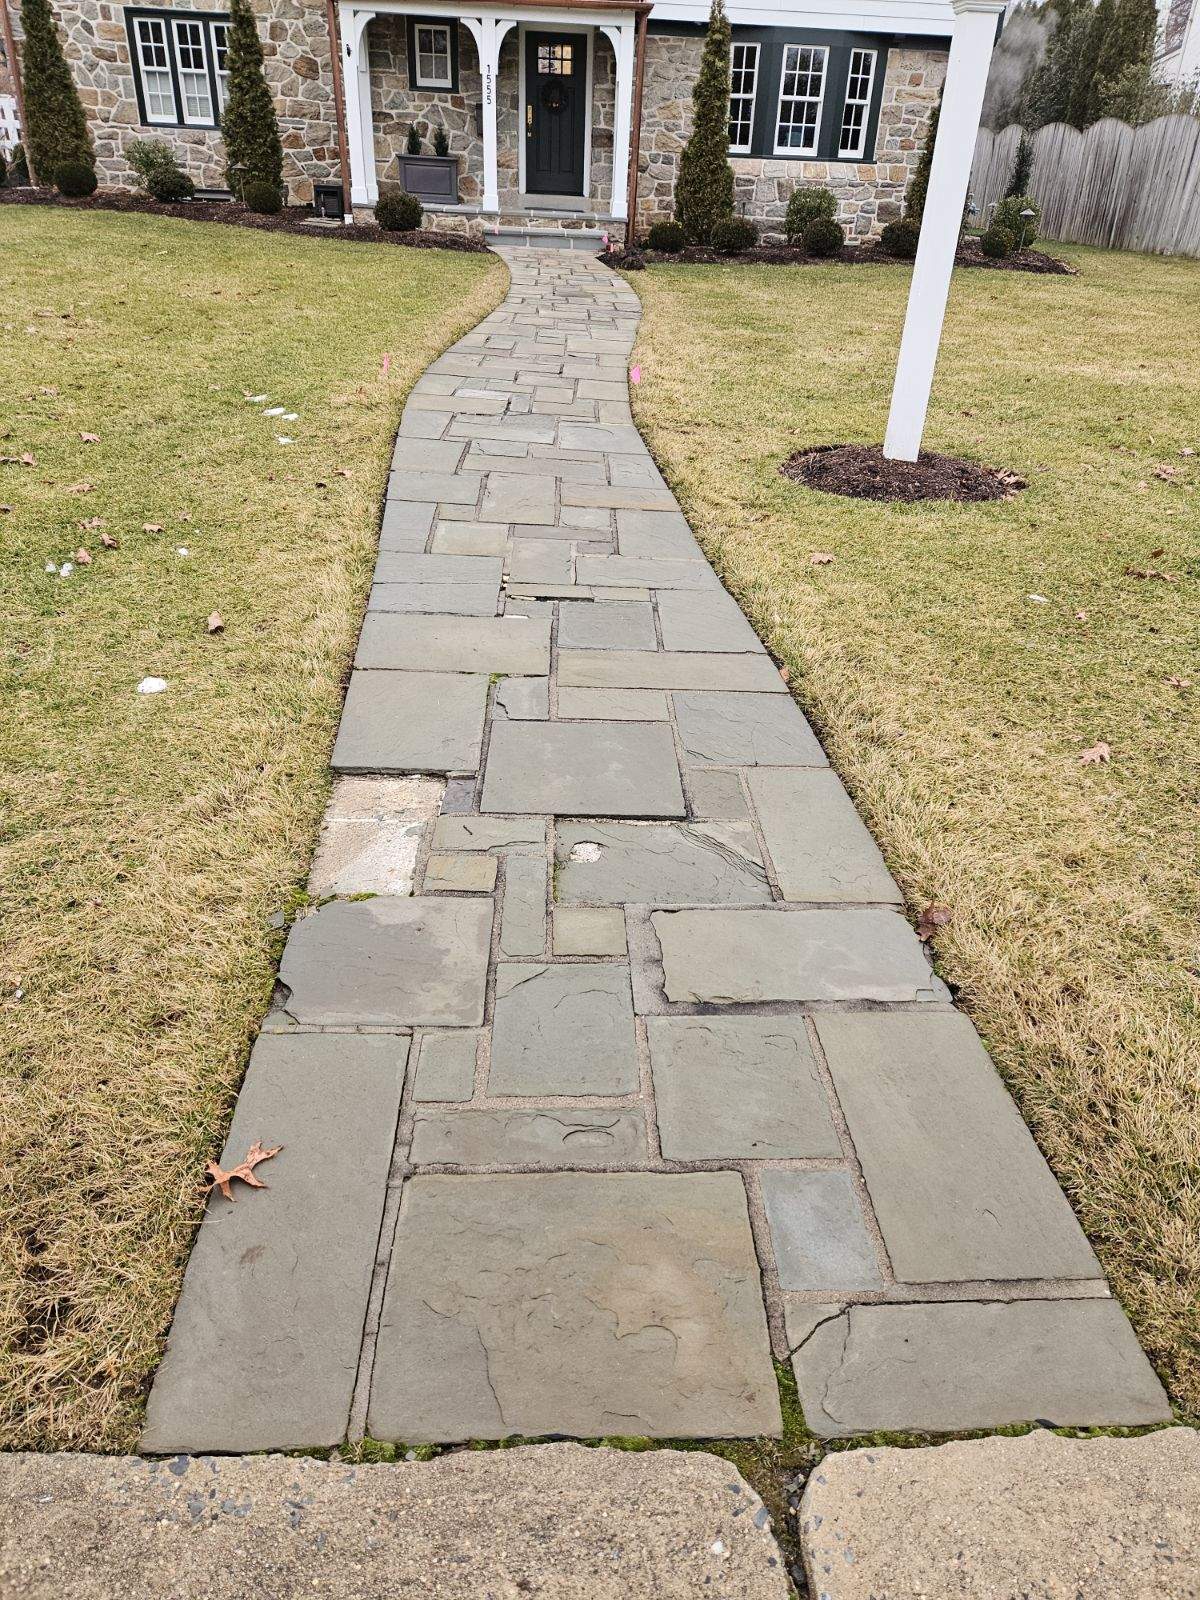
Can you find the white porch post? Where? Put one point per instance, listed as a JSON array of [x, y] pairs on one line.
[[962, 101], [356, 78], [622, 35], [488, 33]]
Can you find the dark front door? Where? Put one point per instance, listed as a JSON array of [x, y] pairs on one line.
[[555, 108]]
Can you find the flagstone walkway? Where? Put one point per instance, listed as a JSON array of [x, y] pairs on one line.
[[609, 1066]]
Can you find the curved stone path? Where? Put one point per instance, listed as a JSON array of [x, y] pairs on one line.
[[609, 1068]]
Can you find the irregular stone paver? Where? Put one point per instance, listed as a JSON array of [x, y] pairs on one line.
[[411, 722], [623, 769], [548, 1138], [818, 1232], [371, 835], [562, 1030], [920, 1094], [867, 1368], [1103, 1519], [634, 817], [446, 1066], [264, 1344], [715, 863], [818, 843], [585, 1303], [729, 957], [389, 962], [744, 1087]]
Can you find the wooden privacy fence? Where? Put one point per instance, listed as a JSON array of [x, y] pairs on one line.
[[1113, 185]]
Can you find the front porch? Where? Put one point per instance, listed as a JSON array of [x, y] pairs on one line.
[[536, 104]]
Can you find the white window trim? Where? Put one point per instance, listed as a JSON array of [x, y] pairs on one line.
[[178, 23], [143, 66], [221, 77], [747, 44], [433, 83], [854, 152], [797, 149]]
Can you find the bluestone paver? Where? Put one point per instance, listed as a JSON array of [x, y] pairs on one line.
[[667, 864], [441, 599], [818, 1232], [644, 669], [819, 845], [589, 931], [523, 918], [563, 1030], [547, 1138], [581, 1303], [738, 730], [607, 626], [411, 722], [445, 1067], [466, 872], [622, 769], [706, 619], [264, 1344], [515, 645]]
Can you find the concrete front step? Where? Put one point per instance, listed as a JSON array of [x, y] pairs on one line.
[[560, 1521], [548, 237]]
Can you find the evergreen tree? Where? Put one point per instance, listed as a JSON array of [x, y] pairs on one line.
[[253, 152], [1048, 91], [1018, 183], [704, 188], [1087, 38], [918, 184], [1127, 41], [55, 125]]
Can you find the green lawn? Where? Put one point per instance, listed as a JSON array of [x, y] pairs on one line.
[[147, 841], [956, 703]]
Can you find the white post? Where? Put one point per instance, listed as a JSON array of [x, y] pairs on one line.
[[356, 77], [962, 101], [622, 36], [488, 33]]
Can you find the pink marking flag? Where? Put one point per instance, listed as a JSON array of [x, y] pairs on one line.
[[635, 374], [387, 366]]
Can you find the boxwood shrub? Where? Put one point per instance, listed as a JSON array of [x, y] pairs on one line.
[[398, 212], [823, 237], [900, 239], [76, 179], [997, 243], [668, 237], [805, 206], [735, 234]]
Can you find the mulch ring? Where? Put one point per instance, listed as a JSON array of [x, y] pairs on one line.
[[867, 255], [863, 471], [292, 219]]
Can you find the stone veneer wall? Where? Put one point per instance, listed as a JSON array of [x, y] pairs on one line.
[[869, 193], [297, 67]]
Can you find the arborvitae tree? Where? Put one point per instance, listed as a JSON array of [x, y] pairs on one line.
[[918, 184], [251, 133], [55, 125], [1049, 90], [704, 188], [1127, 41], [1018, 183], [1091, 32]]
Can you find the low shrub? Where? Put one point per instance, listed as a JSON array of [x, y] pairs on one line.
[[900, 239], [263, 196], [823, 237], [159, 173], [731, 237], [398, 212], [3, 169], [75, 179], [807, 205], [997, 243], [1007, 215], [668, 237], [18, 167]]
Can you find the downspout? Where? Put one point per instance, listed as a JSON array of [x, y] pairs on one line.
[[339, 109], [635, 136], [15, 67]]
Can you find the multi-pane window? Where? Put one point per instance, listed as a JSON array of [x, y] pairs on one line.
[[195, 89], [555, 60], [180, 65], [434, 66], [158, 89], [858, 102], [801, 89], [743, 81]]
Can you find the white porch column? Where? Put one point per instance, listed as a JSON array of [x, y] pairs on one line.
[[488, 33], [622, 35], [356, 82], [962, 101]]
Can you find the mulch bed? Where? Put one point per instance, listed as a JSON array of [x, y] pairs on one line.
[[292, 219], [864, 472], [870, 255]]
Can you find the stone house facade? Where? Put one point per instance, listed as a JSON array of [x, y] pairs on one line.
[[537, 101]]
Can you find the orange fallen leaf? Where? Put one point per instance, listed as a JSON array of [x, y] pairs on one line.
[[1178, 683], [244, 1170], [933, 917], [90, 438], [786, 674], [109, 543], [82, 558], [1097, 755], [215, 623], [89, 523], [152, 527], [29, 459], [80, 488], [820, 558]]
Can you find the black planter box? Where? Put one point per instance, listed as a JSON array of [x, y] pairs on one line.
[[429, 177]]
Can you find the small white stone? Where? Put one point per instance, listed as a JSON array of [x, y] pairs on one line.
[[152, 686], [586, 850], [275, 411]]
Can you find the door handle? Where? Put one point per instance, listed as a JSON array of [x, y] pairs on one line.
[[529, 117]]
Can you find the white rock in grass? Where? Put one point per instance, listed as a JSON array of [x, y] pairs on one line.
[[67, 568], [257, 399], [291, 416], [282, 438], [182, 550], [152, 686], [52, 566], [275, 411]]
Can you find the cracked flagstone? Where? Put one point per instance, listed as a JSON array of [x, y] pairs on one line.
[[650, 1080]]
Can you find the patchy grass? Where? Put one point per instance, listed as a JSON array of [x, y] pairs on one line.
[[956, 704], [146, 842]]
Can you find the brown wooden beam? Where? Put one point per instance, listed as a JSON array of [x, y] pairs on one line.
[[14, 66], [635, 130], [339, 108]]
